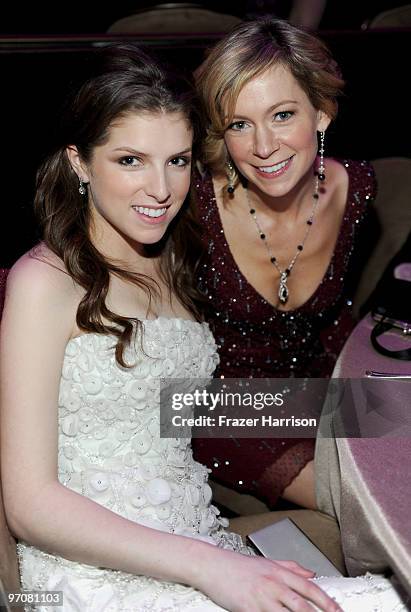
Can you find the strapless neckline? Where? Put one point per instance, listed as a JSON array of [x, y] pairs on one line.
[[177, 322]]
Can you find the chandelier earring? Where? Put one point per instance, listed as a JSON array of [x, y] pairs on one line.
[[321, 167], [82, 188], [230, 176]]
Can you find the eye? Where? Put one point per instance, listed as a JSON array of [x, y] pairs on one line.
[[129, 161], [283, 115], [238, 126], [180, 162]]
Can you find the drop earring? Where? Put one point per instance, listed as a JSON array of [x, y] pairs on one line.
[[82, 189], [230, 176], [321, 167]]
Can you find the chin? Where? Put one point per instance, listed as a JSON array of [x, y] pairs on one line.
[[275, 191], [153, 238]]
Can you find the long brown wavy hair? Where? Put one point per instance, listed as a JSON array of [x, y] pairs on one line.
[[121, 79]]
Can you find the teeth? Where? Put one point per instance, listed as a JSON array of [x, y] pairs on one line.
[[150, 212], [275, 168]]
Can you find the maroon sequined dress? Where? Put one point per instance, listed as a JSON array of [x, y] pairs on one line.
[[257, 340]]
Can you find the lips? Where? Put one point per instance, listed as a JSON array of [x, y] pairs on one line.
[[275, 169], [151, 215], [150, 212]]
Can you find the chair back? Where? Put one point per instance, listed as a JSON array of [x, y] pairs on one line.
[[399, 17], [174, 18], [392, 208]]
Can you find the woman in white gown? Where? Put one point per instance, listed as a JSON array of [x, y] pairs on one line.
[[105, 510]]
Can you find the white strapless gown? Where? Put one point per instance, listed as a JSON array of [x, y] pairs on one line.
[[110, 450]]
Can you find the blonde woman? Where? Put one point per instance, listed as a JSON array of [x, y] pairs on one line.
[[280, 222]]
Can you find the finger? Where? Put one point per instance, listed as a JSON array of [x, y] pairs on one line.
[[274, 607], [313, 593], [271, 601], [294, 602], [297, 568], [274, 603]]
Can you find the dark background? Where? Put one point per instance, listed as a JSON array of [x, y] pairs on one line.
[[87, 18], [41, 51]]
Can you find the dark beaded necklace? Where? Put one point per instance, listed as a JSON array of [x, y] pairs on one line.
[[283, 290]]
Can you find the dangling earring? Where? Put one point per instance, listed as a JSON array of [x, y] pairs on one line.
[[230, 176], [82, 189], [321, 167]]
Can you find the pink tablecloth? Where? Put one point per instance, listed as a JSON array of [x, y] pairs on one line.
[[366, 483]]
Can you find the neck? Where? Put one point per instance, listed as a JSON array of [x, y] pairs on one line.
[[290, 204], [122, 251]]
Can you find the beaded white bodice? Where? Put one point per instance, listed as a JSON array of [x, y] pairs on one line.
[[110, 450], [109, 427]]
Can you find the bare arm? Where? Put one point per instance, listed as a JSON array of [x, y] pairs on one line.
[[38, 321], [9, 574]]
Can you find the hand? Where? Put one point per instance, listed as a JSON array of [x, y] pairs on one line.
[[253, 584]]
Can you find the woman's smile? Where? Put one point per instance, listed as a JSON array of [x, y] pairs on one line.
[[151, 215], [275, 170]]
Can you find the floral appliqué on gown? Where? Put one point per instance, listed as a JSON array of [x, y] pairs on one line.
[[110, 450]]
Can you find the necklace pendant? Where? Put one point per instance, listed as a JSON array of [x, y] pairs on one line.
[[283, 292]]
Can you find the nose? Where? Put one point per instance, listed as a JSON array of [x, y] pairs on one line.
[[265, 142], [157, 185]]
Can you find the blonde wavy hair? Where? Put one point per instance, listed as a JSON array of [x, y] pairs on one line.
[[248, 50]]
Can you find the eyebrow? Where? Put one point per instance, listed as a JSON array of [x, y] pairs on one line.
[[271, 109], [142, 154]]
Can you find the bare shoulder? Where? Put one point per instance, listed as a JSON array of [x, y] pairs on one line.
[[40, 270], [38, 283], [337, 172]]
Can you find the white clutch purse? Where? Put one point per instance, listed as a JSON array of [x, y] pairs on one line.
[[284, 541]]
